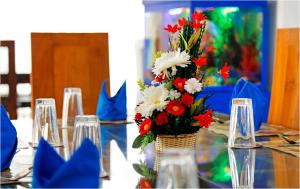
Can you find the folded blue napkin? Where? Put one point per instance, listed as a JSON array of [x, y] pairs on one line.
[[116, 132], [246, 89], [112, 108], [51, 171], [9, 141]]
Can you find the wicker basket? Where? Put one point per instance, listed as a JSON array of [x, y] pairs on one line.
[[171, 141]]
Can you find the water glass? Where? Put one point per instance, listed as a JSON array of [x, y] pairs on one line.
[[72, 106], [241, 131], [242, 166], [88, 126], [178, 169], [45, 122]]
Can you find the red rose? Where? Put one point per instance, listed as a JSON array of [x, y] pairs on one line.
[[175, 108], [205, 119], [179, 83], [162, 119], [145, 126], [138, 116], [187, 99]]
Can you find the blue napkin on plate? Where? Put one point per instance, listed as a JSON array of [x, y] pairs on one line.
[[246, 89], [9, 141], [112, 108], [51, 171]]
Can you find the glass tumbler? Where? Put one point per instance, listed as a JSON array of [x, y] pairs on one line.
[[45, 122], [178, 169], [72, 106], [242, 166], [88, 126], [241, 131]]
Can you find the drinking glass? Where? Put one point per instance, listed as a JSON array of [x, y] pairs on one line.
[[72, 106], [45, 122], [241, 131], [242, 166], [177, 169], [87, 126]]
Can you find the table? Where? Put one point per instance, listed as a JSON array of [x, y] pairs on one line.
[[271, 168]]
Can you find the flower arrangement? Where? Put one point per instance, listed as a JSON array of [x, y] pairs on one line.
[[169, 106]]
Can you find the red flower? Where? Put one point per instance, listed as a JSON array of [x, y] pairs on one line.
[[179, 83], [182, 22], [159, 78], [201, 61], [224, 72], [175, 108], [187, 99], [145, 126], [162, 119], [197, 19], [172, 29], [138, 116], [144, 183], [205, 119]]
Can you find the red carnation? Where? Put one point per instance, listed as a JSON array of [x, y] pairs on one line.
[[162, 119], [138, 116], [182, 22], [187, 99], [205, 119], [172, 29], [175, 108], [224, 72], [145, 126], [179, 83], [201, 61]]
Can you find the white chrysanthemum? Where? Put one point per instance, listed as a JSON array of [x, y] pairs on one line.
[[154, 98], [174, 94], [171, 60], [192, 86]]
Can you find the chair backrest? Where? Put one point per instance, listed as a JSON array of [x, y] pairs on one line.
[[61, 60], [284, 107]]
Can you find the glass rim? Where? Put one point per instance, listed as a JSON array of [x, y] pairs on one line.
[[87, 118], [241, 101], [45, 101], [72, 89]]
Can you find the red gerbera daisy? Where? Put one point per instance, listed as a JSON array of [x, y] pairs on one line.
[[205, 119], [179, 83], [175, 108], [224, 72], [162, 119], [172, 29], [145, 126], [201, 61], [187, 99], [144, 183]]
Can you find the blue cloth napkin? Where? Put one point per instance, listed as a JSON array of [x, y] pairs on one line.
[[112, 108], [51, 171], [116, 132], [9, 141], [246, 89]]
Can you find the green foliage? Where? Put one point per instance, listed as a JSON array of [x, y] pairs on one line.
[[141, 85], [143, 141], [143, 170]]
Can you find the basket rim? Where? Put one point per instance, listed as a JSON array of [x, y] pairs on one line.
[[178, 136]]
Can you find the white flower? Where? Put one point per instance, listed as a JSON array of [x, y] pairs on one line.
[[174, 94], [192, 86], [171, 60], [154, 98]]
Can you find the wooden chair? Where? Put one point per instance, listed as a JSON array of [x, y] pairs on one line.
[[12, 79], [61, 60], [284, 106]]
